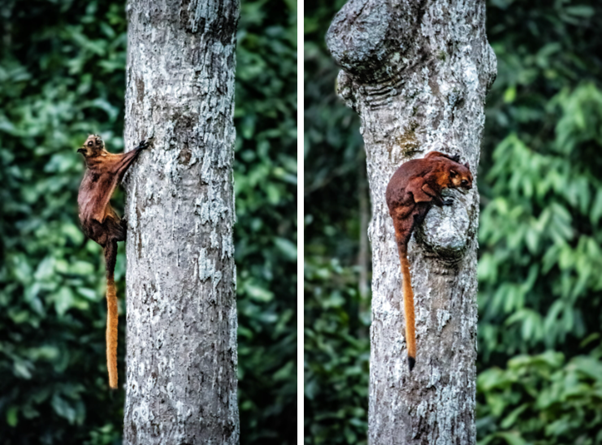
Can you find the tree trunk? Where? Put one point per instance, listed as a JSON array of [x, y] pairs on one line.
[[417, 74], [181, 309]]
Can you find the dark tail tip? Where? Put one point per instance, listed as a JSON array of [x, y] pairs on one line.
[[411, 362]]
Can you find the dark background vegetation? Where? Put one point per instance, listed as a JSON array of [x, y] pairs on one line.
[[62, 75], [540, 257]]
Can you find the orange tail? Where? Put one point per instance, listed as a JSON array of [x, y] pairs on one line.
[[112, 319], [408, 309]]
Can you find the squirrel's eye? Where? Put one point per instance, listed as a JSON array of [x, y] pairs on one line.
[[90, 144]]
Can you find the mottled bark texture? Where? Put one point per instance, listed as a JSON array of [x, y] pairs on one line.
[[181, 310], [417, 73]]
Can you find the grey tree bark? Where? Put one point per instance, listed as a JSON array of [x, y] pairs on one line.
[[417, 73], [181, 310]]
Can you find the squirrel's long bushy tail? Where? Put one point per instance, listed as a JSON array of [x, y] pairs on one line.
[[408, 308], [112, 315]]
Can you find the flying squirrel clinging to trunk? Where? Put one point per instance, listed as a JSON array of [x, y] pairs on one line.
[[412, 191], [104, 171]]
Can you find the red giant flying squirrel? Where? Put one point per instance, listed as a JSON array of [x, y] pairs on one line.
[[100, 222], [411, 192]]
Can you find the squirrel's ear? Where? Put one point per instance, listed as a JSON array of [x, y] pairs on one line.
[[467, 166]]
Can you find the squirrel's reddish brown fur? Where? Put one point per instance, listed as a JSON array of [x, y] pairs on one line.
[[101, 223], [412, 191]]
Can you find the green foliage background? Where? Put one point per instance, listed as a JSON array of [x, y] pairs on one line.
[[61, 76], [540, 286]]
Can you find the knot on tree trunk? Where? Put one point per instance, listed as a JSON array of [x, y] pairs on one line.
[[446, 232], [383, 45], [368, 38], [358, 37]]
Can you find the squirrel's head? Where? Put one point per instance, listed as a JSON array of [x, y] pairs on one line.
[[93, 146], [460, 176]]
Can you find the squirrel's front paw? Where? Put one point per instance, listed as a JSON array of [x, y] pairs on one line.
[[144, 144]]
